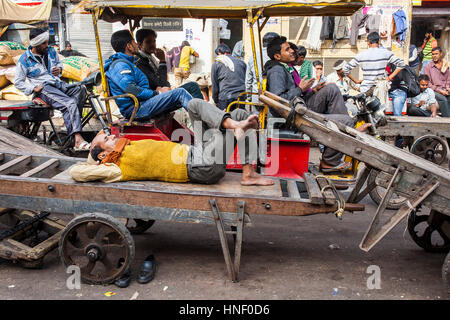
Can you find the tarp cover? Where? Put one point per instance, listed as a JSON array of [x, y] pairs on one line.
[[222, 8], [13, 13]]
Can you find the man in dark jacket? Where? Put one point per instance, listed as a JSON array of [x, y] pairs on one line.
[[69, 52], [284, 81], [124, 77], [227, 77], [156, 68]]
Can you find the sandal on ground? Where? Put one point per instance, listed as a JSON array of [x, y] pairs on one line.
[[340, 168], [84, 146]]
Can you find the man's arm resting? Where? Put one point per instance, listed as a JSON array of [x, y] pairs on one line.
[[125, 80], [20, 80], [85, 172]]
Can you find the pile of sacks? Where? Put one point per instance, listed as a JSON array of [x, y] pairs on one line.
[[74, 69]]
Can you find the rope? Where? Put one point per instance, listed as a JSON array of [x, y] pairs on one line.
[[340, 202]]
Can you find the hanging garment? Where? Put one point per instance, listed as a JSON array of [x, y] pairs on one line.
[[401, 24], [313, 41], [327, 28], [358, 21], [385, 30], [373, 22], [340, 28]]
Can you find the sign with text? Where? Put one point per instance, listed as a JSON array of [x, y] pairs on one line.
[[163, 24]]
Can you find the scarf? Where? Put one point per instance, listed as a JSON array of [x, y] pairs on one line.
[[293, 72], [114, 156], [226, 61], [154, 63]]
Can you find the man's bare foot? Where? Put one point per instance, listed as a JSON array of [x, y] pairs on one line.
[[242, 126], [251, 178], [364, 127]]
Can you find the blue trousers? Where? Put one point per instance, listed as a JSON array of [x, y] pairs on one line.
[[398, 101], [164, 102]]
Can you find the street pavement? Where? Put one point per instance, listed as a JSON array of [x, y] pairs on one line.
[[310, 257]]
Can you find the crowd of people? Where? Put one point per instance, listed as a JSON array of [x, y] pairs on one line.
[[140, 68]]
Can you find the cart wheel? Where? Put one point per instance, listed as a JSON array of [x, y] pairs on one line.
[[378, 192], [429, 235], [430, 148], [99, 244], [446, 272], [138, 226]]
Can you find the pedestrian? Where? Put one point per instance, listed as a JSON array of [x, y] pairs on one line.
[[438, 72], [69, 52], [182, 67], [429, 43], [227, 77], [425, 104]]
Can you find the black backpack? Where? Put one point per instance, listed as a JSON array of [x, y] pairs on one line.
[[411, 81]]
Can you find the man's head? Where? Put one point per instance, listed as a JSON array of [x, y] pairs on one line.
[[318, 65], [373, 39], [223, 49], [301, 55], [146, 39], [269, 37], [185, 43], [68, 46], [424, 80], [102, 145], [339, 67], [39, 40], [428, 34], [280, 50], [437, 54], [122, 41]]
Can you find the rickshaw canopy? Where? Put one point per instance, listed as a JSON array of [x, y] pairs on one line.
[[116, 10]]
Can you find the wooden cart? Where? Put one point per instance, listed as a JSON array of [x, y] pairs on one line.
[[418, 181], [97, 241]]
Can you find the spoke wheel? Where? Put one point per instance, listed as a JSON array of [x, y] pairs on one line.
[[138, 226], [431, 148], [427, 234], [99, 245], [378, 193]]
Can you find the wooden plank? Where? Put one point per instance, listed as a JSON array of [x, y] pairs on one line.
[[315, 195], [328, 195], [13, 142], [40, 170], [293, 190], [15, 164]]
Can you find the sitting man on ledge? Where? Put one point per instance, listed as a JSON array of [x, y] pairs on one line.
[[124, 77], [205, 162], [284, 81]]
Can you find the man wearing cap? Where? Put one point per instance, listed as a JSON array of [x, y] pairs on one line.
[[41, 65], [344, 83]]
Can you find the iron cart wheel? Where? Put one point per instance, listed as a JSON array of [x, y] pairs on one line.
[[446, 272], [429, 231], [138, 226], [99, 244], [430, 148], [378, 192]]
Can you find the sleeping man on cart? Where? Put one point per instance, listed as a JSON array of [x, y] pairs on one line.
[[205, 162]]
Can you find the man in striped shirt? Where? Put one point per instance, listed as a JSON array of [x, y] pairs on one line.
[[373, 63]]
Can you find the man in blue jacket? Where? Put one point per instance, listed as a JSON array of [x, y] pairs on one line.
[[42, 66], [124, 77]]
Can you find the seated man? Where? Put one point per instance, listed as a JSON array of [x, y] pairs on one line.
[[41, 65], [343, 82], [425, 104], [124, 77], [438, 71], [205, 162], [152, 62], [284, 81], [227, 77]]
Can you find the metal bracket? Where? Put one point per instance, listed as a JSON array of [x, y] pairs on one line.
[[384, 222], [237, 231]]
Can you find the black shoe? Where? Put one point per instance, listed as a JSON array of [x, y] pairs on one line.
[[125, 280], [147, 271]]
